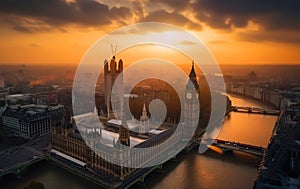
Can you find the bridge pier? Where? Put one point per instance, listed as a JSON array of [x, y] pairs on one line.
[[249, 110], [226, 151]]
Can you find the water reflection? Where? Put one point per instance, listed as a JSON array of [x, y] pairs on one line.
[[254, 129]]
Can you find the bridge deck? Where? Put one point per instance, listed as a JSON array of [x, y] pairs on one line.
[[255, 110], [229, 145]]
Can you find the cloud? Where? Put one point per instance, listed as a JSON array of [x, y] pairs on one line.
[[171, 18], [141, 29], [27, 25], [218, 42], [22, 29], [270, 14], [174, 4], [279, 36], [273, 17], [60, 12], [187, 43]]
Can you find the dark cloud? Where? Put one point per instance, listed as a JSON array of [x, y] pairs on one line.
[[275, 17], [279, 36], [60, 12], [220, 14], [279, 20], [271, 14], [26, 25], [22, 29], [43, 9]]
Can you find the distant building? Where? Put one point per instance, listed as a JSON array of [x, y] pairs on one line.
[[273, 97], [47, 97], [252, 76], [19, 99], [2, 106], [237, 88], [2, 109], [253, 91], [32, 121]]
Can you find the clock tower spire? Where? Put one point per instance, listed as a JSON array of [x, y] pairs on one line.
[[191, 105]]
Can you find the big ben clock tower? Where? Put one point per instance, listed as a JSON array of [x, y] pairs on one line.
[[191, 105]]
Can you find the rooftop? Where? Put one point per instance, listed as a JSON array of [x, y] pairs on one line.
[[19, 111], [89, 125]]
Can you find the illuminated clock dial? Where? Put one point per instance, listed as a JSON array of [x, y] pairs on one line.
[[189, 95]]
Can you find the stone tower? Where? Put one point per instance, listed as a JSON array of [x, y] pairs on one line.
[[113, 98], [191, 106]]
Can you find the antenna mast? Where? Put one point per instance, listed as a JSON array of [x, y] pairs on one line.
[[113, 50]]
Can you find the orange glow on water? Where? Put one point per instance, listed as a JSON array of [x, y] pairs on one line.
[[215, 149]]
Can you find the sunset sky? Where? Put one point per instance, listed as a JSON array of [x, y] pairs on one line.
[[236, 31]]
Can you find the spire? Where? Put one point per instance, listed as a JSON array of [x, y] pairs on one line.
[[192, 82], [144, 113], [144, 121], [192, 73], [144, 116], [95, 110]]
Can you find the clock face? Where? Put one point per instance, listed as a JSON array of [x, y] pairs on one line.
[[189, 95]]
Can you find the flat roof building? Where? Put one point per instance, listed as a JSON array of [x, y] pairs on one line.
[[32, 121]]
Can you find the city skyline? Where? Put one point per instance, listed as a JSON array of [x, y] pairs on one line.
[[60, 32]]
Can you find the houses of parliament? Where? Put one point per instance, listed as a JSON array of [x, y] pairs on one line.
[[114, 159]]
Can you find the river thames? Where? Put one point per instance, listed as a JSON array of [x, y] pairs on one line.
[[190, 170]]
